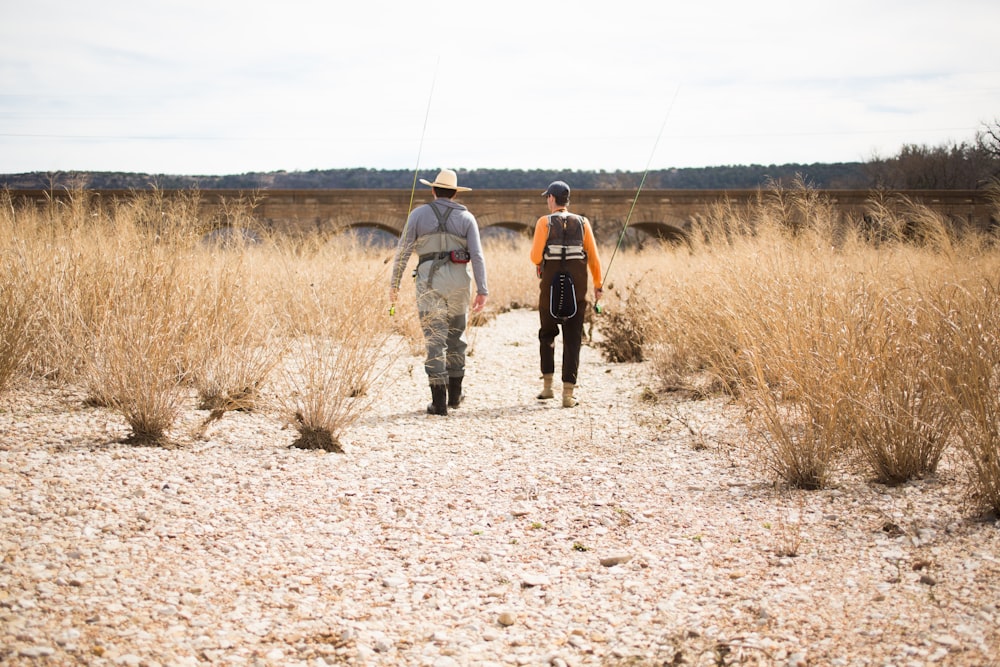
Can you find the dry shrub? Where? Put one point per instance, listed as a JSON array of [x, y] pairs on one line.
[[786, 530], [136, 345], [856, 353], [622, 326], [970, 314], [154, 216], [689, 336], [130, 302], [899, 422], [128, 306], [797, 437], [232, 353], [39, 243], [17, 316], [341, 341], [79, 287]]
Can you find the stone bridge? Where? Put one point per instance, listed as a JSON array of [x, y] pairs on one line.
[[666, 214]]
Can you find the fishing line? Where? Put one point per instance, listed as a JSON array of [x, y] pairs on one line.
[[628, 217], [420, 148], [416, 168]]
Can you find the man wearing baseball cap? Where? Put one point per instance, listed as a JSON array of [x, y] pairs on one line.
[[563, 251]]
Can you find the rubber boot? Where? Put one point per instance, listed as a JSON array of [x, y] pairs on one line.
[[455, 395], [568, 400], [439, 400], [546, 387]]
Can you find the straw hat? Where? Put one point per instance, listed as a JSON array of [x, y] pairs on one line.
[[446, 178]]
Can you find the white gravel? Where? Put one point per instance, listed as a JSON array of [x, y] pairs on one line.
[[512, 532]]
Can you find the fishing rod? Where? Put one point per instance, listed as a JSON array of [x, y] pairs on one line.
[[416, 168], [621, 237]]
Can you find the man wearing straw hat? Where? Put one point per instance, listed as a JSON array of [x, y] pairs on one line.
[[445, 236]]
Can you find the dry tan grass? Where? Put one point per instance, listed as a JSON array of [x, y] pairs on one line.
[[969, 314], [512, 279], [234, 352], [134, 306], [831, 337], [872, 346], [341, 339], [18, 312]]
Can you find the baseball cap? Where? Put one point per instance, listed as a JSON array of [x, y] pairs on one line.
[[557, 189]]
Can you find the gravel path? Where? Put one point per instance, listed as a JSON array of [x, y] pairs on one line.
[[512, 532]]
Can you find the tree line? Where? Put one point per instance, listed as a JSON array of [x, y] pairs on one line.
[[829, 176], [967, 165]]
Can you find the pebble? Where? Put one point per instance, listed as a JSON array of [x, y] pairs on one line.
[[615, 559], [506, 618], [529, 580]]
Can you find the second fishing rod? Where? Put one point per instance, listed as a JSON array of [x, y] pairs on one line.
[[598, 308]]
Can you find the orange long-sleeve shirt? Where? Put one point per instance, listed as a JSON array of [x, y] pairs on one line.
[[589, 245]]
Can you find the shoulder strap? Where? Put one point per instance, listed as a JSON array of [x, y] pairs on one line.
[[442, 218]]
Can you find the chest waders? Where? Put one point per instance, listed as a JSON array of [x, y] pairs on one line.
[[565, 244], [443, 311], [564, 286], [439, 258]]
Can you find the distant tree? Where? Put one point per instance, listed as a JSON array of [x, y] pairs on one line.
[[953, 166], [988, 139]]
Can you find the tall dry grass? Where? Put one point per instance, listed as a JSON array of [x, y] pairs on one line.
[[232, 354], [128, 301], [831, 336], [332, 310], [969, 314], [871, 348], [18, 310], [511, 275]]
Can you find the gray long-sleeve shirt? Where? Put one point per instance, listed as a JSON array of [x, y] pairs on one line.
[[460, 223]]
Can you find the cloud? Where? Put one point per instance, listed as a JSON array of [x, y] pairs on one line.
[[226, 87]]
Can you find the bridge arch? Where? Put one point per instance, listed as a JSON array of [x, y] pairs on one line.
[[663, 231], [508, 230], [392, 228], [375, 234]]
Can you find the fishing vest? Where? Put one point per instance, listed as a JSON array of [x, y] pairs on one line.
[[565, 241]]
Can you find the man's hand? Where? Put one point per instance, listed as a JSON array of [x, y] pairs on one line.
[[598, 293], [479, 302]]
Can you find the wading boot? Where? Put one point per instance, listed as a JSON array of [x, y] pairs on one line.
[[546, 387], [568, 400], [455, 395], [439, 400]]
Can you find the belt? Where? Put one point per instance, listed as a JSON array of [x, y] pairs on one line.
[[433, 255]]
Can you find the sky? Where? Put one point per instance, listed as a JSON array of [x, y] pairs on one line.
[[213, 87]]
